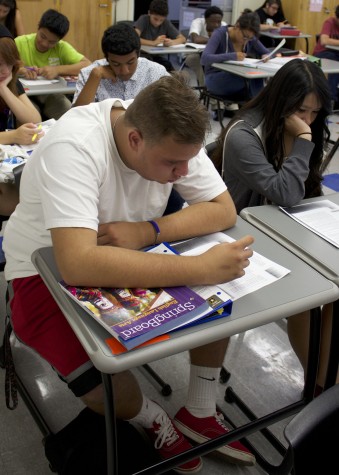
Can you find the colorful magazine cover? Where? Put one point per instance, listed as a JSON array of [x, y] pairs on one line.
[[134, 316]]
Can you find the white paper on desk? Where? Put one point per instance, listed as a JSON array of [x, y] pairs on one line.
[[258, 274], [277, 48], [272, 65], [38, 82], [195, 45], [321, 217]]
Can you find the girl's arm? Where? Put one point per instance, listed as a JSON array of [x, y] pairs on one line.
[[215, 51], [21, 106], [19, 25]]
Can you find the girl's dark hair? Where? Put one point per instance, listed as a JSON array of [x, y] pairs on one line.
[[249, 21], [283, 96], [10, 18]]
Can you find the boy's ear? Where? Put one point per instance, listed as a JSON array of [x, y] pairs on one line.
[[135, 139]]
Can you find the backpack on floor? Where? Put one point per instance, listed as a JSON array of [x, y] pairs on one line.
[[80, 447]]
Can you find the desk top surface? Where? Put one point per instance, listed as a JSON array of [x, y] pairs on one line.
[[302, 289], [277, 35], [244, 71], [335, 48], [329, 66], [310, 247], [59, 87], [169, 49]]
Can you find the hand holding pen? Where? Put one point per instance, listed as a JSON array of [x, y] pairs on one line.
[[27, 134], [241, 55], [30, 72]]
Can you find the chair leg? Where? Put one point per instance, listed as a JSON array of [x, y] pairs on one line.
[[166, 389]]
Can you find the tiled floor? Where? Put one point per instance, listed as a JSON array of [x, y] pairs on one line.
[[264, 372]]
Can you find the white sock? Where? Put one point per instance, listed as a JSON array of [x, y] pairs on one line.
[[202, 391], [148, 413]]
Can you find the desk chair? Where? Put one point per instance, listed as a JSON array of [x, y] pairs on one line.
[[312, 436], [206, 96]]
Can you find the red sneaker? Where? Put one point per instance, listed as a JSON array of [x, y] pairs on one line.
[[169, 441], [203, 429]]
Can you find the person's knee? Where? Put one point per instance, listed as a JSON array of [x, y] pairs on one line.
[[56, 105], [9, 198], [94, 399]]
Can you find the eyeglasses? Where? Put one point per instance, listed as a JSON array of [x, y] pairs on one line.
[[246, 37]]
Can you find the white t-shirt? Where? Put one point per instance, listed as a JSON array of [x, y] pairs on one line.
[[76, 178], [198, 26]]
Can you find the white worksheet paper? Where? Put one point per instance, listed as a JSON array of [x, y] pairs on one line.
[[321, 217], [258, 274]]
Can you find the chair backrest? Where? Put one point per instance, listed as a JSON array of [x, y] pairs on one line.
[[313, 436], [210, 147]]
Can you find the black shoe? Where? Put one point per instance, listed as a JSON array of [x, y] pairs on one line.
[[216, 115], [229, 114]]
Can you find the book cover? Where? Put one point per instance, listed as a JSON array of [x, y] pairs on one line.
[[134, 316]]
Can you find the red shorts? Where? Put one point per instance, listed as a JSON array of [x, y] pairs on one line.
[[39, 323]]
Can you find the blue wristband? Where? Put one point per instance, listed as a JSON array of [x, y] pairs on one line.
[[156, 230]]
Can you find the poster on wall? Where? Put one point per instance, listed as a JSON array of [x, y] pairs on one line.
[[316, 5]]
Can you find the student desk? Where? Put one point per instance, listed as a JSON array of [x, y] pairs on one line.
[[329, 66], [308, 246], [278, 36], [302, 289], [333, 47], [59, 87], [179, 49]]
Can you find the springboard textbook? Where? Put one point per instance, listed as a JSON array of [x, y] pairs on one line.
[[134, 316]]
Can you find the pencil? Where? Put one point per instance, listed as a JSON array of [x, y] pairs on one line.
[[35, 135]]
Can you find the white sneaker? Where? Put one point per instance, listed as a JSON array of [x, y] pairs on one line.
[[231, 107]]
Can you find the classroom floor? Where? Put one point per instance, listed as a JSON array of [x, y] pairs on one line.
[[264, 372]]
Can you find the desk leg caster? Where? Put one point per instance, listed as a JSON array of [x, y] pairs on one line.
[[166, 389], [230, 395], [224, 375]]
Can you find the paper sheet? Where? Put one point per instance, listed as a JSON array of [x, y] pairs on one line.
[[38, 82], [258, 274], [321, 217]]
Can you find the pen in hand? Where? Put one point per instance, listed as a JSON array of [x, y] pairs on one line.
[[36, 134]]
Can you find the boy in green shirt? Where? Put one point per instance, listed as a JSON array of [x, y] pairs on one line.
[[45, 54]]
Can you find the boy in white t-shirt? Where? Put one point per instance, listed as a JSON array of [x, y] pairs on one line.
[[200, 31], [124, 162]]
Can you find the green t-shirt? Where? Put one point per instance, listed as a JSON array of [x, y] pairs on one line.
[[61, 54]]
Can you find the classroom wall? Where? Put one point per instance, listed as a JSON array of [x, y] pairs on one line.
[[123, 10], [239, 5]]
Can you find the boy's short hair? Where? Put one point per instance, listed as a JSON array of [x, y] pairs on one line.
[[55, 22], [120, 39], [337, 11], [159, 7], [169, 107], [213, 11]]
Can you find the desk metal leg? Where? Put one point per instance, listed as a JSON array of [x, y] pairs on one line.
[[310, 382], [111, 430], [313, 354], [306, 45]]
